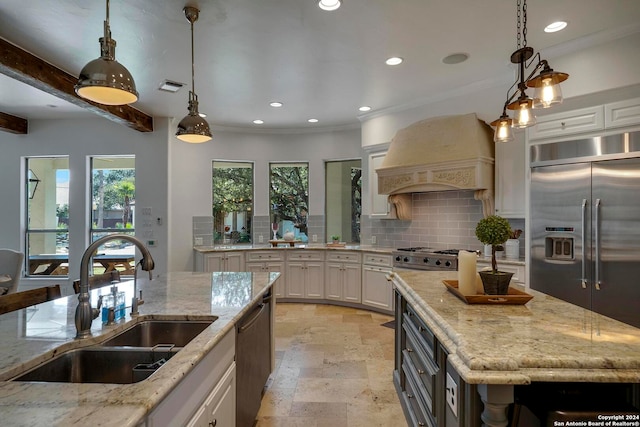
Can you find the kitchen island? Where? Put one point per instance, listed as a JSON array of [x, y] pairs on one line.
[[491, 352], [39, 333]]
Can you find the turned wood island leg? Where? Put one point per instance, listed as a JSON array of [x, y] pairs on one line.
[[496, 400]]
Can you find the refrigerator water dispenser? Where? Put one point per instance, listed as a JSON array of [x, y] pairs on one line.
[[559, 248]]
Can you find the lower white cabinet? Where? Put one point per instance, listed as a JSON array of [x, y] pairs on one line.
[[343, 277], [304, 277], [219, 409], [377, 291], [209, 388], [519, 271], [219, 261], [267, 261]]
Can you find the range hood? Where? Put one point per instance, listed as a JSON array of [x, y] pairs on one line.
[[439, 154]]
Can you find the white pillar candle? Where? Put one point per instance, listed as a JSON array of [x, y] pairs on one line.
[[467, 272]]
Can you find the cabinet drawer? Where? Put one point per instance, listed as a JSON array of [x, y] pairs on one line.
[[577, 121], [415, 403], [423, 368], [423, 335], [378, 260], [306, 256], [259, 256], [336, 256]]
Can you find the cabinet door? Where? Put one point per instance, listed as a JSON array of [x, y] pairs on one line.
[[314, 277], [276, 267], [333, 281], [376, 289], [221, 408], [352, 282], [295, 280], [234, 261], [379, 202], [510, 178], [622, 113], [255, 267], [588, 119], [214, 262]]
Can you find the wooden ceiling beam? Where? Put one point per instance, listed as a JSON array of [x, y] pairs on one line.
[[13, 124], [28, 68]]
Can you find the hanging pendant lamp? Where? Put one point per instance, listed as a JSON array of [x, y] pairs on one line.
[[193, 128], [546, 85], [105, 80]]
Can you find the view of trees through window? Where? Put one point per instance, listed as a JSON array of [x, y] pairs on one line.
[[289, 199], [343, 199], [232, 184], [47, 201]]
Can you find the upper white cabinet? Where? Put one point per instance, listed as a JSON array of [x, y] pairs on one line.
[[568, 123], [622, 113], [380, 207], [510, 178]]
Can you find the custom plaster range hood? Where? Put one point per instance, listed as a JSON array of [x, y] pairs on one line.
[[439, 154]]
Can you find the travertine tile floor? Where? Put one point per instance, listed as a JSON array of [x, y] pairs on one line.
[[333, 369]]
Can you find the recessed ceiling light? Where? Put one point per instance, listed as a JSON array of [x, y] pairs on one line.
[[394, 60], [555, 26], [170, 86], [329, 4], [455, 58], [258, 121], [365, 108], [313, 120], [276, 104]]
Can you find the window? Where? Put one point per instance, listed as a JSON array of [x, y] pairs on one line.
[[232, 201], [289, 199], [113, 193], [343, 206], [47, 231]]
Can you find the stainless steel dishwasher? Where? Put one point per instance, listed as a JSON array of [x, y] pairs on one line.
[[253, 360]]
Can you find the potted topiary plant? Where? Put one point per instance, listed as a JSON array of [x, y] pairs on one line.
[[495, 231]]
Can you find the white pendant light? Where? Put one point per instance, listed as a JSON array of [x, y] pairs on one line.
[[104, 80], [193, 128]]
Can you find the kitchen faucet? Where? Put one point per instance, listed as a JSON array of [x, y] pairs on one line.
[[84, 312]]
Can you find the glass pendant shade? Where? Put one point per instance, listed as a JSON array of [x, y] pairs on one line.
[[523, 116], [547, 91], [503, 132]]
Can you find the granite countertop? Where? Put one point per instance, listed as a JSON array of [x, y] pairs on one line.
[[545, 340], [33, 335], [318, 246]]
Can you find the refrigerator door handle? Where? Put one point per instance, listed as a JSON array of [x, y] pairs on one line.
[[584, 244], [597, 248]]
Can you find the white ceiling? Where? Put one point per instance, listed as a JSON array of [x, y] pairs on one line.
[[320, 64]]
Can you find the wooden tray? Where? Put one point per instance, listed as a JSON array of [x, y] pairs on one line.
[[514, 296], [336, 245], [291, 243]]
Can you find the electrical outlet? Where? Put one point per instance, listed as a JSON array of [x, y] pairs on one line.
[[151, 243], [260, 239], [199, 241], [373, 240], [314, 238], [452, 395]]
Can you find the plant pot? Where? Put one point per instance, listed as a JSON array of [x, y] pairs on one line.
[[512, 248], [495, 283]]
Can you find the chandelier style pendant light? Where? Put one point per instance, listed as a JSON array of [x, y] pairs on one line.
[[546, 85], [193, 128], [104, 80]]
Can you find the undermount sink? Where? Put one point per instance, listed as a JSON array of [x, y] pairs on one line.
[[110, 365], [149, 333]]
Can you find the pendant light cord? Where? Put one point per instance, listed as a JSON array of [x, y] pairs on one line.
[[193, 80]]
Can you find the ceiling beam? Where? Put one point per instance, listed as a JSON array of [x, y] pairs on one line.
[[27, 68], [13, 124]]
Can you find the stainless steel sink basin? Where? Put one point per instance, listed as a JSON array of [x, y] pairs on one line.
[[150, 333], [100, 365]]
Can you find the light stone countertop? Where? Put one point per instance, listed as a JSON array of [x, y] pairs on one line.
[[33, 335], [545, 340], [315, 246]]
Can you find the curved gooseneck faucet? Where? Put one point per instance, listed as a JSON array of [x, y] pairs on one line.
[[84, 312]]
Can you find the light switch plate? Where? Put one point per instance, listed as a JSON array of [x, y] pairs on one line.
[[260, 239]]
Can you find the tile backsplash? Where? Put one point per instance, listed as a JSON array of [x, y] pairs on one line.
[[202, 230], [445, 219]]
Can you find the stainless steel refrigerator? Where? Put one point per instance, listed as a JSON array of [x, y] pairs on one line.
[[585, 223]]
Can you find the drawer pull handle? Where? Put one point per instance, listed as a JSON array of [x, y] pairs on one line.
[[421, 329], [420, 371], [213, 423], [420, 423], [409, 350], [410, 396]]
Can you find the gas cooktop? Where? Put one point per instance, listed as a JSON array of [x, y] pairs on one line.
[[423, 258]]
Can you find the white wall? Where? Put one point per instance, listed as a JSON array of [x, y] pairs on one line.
[[80, 139], [190, 174]]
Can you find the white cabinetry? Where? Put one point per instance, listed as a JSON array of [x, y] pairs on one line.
[[380, 207], [343, 276], [219, 409], [304, 276], [519, 271], [207, 390], [267, 261], [220, 261], [569, 123], [510, 178], [622, 113], [377, 291]]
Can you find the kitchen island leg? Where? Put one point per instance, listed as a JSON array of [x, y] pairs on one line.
[[496, 400]]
